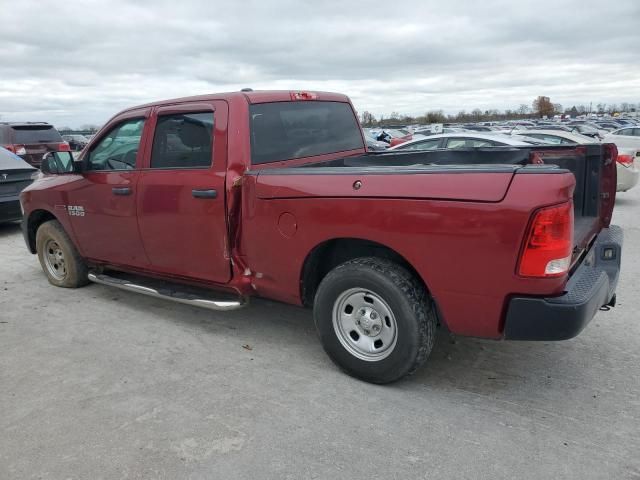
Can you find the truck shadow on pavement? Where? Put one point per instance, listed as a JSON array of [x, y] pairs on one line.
[[473, 366]]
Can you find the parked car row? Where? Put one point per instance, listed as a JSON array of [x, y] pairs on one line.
[[76, 142], [623, 132]]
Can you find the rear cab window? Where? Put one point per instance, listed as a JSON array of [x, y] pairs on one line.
[[31, 134], [289, 130]]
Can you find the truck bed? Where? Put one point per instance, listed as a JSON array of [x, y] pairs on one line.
[[585, 162]]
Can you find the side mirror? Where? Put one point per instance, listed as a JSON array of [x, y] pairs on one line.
[[56, 163]]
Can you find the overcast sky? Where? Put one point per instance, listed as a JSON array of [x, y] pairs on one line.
[[72, 63]]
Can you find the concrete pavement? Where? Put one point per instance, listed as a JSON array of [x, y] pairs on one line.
[[102, 384]]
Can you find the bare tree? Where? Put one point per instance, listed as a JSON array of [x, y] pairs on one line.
[[368, 118], [435, 116], [542, 107]]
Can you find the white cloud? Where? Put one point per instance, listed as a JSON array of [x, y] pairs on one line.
[[80, 62]]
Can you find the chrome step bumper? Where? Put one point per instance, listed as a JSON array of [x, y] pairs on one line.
[[169, 291]]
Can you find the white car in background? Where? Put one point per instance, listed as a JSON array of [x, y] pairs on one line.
[[461, 140], [556, 137], [627, 137], [626, 166]]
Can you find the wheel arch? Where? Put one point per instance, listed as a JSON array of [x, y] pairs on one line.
[[35, 219], [331, 253]]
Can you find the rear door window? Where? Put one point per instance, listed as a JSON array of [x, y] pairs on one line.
[[547, 138], [288, 130], [425, 145], [32, 134], [477, 142], [183, 140], [456, 143]]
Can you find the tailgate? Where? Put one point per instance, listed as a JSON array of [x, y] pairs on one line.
[[594, 168]]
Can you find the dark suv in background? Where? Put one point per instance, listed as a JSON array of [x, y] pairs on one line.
[[31, 140]]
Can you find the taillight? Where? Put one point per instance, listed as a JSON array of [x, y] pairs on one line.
[[549, 243], [17, 149], [64, 147], [625, 160]]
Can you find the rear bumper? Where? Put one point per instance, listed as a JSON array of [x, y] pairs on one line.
[[10, 209], [592, 285]]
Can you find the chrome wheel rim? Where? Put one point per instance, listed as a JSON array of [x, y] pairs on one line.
[[365, 324], [54, 261]]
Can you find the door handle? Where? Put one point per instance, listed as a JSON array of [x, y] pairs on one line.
[[121, 190], [204, 193]]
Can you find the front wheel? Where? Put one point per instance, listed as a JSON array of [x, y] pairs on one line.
[[375, 319], [59, 257]]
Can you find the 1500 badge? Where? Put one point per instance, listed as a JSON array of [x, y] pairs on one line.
[[75, 210]]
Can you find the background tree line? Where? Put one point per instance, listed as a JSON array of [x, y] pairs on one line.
[[540, 107]]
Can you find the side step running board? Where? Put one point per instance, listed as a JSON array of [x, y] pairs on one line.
[[197, 297]]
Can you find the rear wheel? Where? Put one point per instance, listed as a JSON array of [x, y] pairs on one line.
[[59, 258], [375, 319]]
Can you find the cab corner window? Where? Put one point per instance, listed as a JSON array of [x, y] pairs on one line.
[[183, 140], [118, 149], [288, 130]]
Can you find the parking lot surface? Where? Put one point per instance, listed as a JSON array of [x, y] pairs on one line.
[[103, 384]]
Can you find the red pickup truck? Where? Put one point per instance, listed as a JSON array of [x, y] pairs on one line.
[[210, 200]]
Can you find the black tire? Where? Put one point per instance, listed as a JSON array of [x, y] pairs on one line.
[[71, 270], [407, 299]]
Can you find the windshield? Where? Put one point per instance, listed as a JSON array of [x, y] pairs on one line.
[[288, 130]]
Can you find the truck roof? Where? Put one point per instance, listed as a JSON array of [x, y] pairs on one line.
[[253, 96]]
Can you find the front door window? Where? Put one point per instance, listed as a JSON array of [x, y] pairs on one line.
[[118, 149]]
